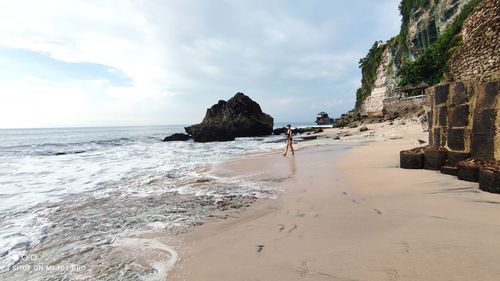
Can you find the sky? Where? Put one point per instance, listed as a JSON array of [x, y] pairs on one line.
[[159, 62]]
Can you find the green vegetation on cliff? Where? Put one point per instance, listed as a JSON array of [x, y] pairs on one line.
[[369, 65], [405, 9], [433, 63]]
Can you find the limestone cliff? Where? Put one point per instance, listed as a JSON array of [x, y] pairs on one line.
[[423, 21], [384, 83], [427, 21]]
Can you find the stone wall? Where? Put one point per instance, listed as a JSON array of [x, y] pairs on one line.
[[479, 56], [403, 106], [464, 117]]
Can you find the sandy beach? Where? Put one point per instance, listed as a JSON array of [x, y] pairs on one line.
[[148, 140], [347, 212]]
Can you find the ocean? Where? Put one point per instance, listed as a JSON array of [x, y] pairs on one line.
[[70, 189]]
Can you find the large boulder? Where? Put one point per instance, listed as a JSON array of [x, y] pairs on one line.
[[210, 132], [279, 131], [240, 116]]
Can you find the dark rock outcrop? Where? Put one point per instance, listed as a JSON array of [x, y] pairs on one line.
[[351, 120], [307, 130], [279, 131], [240, 116], [210, 132], [177, 137], [307, 138], [323, 119]]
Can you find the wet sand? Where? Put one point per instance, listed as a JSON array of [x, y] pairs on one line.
[[349, 214]]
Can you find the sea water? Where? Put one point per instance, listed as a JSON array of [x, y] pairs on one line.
[[63, 189]]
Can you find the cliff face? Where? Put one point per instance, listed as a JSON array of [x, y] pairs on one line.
[[428, 21], [423, 22], [384, 83]]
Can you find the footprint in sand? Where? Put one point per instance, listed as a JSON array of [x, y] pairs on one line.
[[406, 247], [392, 274], [281, 227], [293, 228], [260, 248]]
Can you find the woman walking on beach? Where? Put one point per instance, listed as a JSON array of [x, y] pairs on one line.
[[289, 140]]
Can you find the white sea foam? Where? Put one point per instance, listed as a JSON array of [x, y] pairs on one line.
[[157, 255], [40, 167]]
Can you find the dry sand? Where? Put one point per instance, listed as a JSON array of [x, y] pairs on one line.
[[349, 214]]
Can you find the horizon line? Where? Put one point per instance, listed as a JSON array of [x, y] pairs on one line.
[[121, 126]]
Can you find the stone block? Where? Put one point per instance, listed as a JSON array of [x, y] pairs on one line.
[[441, 93], [460, 94], [456, 156], [482, 146], [486, 96], [456, 139], [429, 119], [467, 173], [434, 159], [436, 136], [411, 159], [443, 116], [444, 137], [449, 170], [459, 116], [484, 121], [430, 135], [489, 180]]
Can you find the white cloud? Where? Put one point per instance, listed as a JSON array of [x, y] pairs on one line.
[[180, 56], [39, 103], [322, 66]]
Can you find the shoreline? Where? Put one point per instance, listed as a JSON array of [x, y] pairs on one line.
[[329, 223]]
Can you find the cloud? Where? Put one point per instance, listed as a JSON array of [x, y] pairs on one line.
[[322, 66], [160, 62]]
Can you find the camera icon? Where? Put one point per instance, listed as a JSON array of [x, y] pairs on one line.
[[31, 257]]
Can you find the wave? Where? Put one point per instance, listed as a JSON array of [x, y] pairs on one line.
[[58, 149]]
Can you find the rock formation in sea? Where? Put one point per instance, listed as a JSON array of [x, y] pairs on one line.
[[177, 137], [240, 116], [322, 118]]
